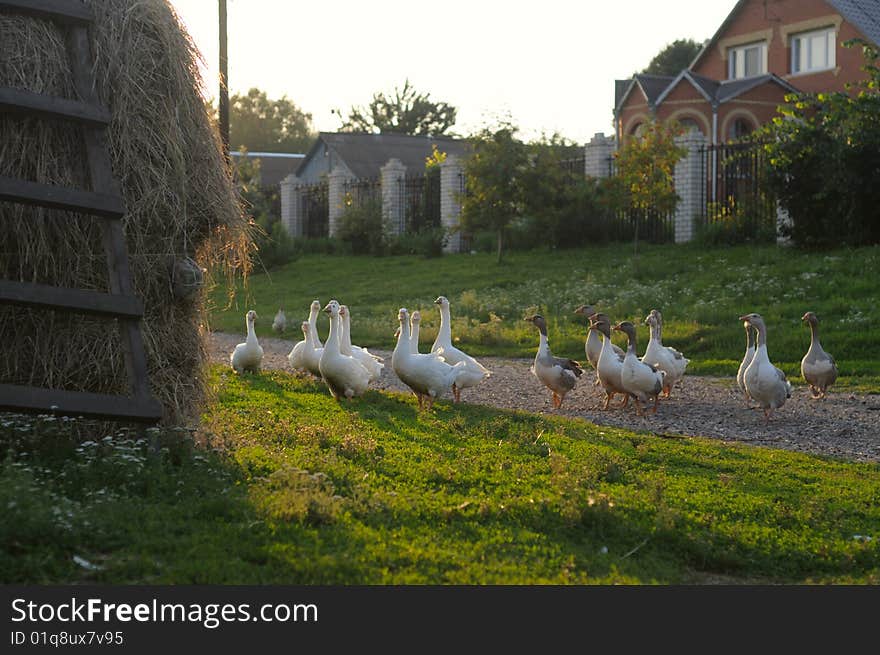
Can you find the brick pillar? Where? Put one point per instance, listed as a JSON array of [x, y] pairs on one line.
[[451, 171], [597, 154], [393, 176], [336, 197], [689, 185], [291, 207]]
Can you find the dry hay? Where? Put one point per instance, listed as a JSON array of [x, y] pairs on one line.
[[177, 189]]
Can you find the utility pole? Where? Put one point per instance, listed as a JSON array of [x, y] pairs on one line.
[[224, 83]]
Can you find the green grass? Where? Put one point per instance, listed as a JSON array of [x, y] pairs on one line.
[[700, 292], [299, 489]]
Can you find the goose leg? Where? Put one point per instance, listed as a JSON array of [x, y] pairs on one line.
[[607, 400], [638, 406], [456, 393], [656, 402]]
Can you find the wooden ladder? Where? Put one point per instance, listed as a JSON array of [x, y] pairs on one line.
[[103, 201]]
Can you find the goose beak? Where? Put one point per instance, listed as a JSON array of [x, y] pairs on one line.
[[617, 327], [744, 318]]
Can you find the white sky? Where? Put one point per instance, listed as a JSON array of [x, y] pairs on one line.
[[548, 65]]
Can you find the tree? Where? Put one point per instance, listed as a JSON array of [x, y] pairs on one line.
[[406, 112], [261, 124], [493, 173], [645, 174], [823, 154], [674, 58]]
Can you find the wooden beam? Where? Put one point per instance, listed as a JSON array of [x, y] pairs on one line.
[[63, 11], [78, 403], [74, 300], [34, 104], [55, 197]]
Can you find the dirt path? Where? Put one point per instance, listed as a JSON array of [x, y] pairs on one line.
[[844, 425]]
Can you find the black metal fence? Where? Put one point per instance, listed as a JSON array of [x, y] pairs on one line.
[[315, 210], [420, 201], [643, 224], [735, 189], [574, 168], [359, 193]]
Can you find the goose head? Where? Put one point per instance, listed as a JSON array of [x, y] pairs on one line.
[[416, 317], [653, 319], [251, 316], [753, 320], [586, 310], [402, 315], [601, 323], [538, 321], [343, 310], [442, 301], [811, 319], [315, 306], [628, 329], [332, 308]]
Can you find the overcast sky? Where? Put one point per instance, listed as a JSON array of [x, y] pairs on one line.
[[548, 65]]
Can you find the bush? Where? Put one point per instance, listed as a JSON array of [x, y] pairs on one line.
[[428, 242], [733, 225], [823, 158], [362, 229]]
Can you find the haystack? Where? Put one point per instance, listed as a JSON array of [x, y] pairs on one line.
[[178, 193]]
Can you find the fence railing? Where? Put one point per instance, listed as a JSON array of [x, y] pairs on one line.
[[361, 192], [735, 188], [315, 210], [420, 201]]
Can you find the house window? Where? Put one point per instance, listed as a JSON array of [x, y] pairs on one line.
[[814, 51], [747, 61], [740, 128]]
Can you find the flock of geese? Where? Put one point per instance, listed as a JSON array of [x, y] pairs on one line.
[[347, 370]]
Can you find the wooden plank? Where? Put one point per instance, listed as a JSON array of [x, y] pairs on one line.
[[78, 403], [33, 104], [63, 11], [75, 300], [101, 174], [56, 197]]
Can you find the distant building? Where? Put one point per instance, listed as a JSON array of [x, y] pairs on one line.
[[274, 166], [362, 155], [761, 52]]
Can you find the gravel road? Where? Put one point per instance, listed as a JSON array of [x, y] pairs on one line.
[[843, 425]]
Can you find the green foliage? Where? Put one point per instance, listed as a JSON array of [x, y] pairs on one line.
[[427, 242], [303, 490], [734, 223], [261, 124], [700, 291], [362, 228], [262, 203], [823, 157], [405, 112], [674, 58], [561, 205], [493, 171]]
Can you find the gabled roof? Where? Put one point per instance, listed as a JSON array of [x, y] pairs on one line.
[[863, 14], [730, 89], [274, 166], [651, 85], [365, 154]]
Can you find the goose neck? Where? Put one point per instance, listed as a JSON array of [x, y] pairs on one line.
[[332, 343], [543, 343], [445, 334], [656, 332], [251, 333], [762, 335], [814, 334], [345, 336]]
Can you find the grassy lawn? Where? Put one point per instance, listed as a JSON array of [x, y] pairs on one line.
[[300, 489], [700, 292]]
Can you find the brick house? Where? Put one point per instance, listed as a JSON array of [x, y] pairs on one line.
[[763, 50]]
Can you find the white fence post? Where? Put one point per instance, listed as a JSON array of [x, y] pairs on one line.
[[451, 171], [291, 207], [336, 197], [597, 154], [689, 185], [393, 176]]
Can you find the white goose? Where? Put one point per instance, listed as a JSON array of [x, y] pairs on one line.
[[556, 373], [817, 367], [312, 356], [427, 375], [474, 371], [746, 360], [279, 324], [373, 363], [765, 384], [296, 356], [344, 375], [610, 363], [248, 356], [665, 358], [593, 344], [641, 380]]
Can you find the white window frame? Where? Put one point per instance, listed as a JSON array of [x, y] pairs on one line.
[[799, 41], [736, 60]]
